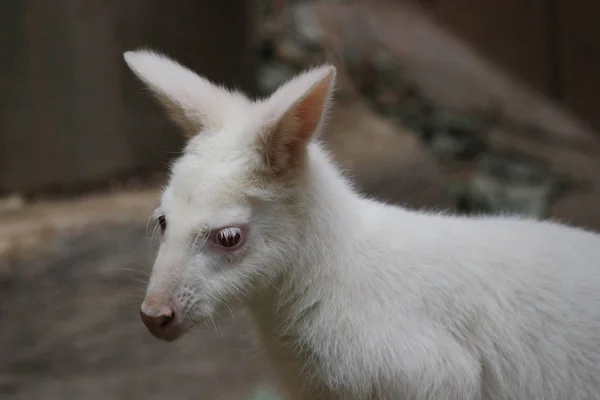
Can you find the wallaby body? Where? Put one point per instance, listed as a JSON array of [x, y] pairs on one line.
[[353, 298], [381, 302]]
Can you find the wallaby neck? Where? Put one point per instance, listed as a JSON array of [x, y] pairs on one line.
[[331, 220], [289, 313]]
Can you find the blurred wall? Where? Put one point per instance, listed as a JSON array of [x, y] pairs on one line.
[[71, 112], [551, 44]]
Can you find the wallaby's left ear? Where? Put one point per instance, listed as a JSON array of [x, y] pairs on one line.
[[191, 100], [302, 105]]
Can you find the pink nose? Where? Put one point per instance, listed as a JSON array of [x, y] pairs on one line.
[[161, 322]]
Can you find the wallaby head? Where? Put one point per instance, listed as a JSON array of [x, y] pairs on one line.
[[223, 235]]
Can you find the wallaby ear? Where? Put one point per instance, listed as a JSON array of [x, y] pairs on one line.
[[301, 106], [190, 99]]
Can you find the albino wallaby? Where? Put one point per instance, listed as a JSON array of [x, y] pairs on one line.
[[352, 298]]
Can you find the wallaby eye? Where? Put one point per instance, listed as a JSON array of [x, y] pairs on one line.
[[162, 222], [229, 237]]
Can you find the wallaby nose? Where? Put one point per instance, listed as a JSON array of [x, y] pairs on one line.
[[160, 321]]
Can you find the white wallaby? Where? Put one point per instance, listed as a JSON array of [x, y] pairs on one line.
[[352, 298]]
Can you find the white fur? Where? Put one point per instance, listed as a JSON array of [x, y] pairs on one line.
[[355, 299]]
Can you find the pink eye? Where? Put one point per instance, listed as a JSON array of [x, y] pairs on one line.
[[229, 238], [162, 222]]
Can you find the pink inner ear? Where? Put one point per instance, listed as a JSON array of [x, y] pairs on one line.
[[283, 143], [309, 110], [307, 118]]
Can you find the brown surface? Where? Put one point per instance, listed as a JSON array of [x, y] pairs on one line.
[[580, 56], [512, 33], [550, 44]]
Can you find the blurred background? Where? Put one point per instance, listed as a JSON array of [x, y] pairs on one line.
[[463, 105]]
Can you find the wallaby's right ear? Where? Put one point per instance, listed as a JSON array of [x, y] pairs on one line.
[[301, 106], [189, 98]]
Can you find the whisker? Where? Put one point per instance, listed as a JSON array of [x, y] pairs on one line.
[[215, 325], [230, 310], [150, 218], [204, 234], [156, 228], [131, 279], [132, 270], [192, 243]]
